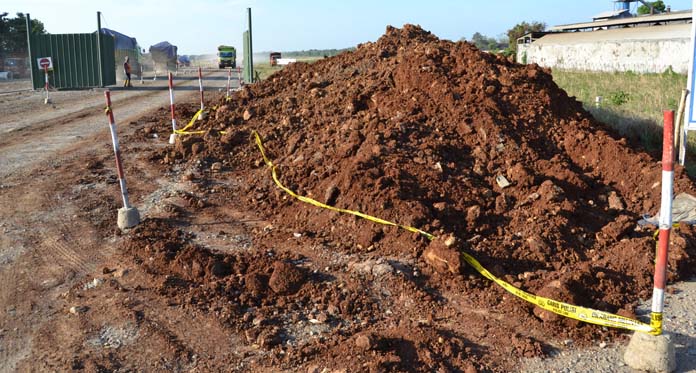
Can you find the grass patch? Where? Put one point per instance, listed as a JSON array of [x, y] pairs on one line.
[[632, 104]]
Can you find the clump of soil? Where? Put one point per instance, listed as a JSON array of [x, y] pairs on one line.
[[443, 137]]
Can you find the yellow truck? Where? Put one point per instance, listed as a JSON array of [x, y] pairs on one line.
[[227, 56]]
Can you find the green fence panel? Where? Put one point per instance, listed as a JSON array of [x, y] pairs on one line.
[[75, 62], [247, 69]]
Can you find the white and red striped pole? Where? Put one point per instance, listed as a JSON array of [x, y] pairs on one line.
[[201, 116], [47, 100], [229, 78], [658, 299], [141, 74], [239, 77], [128, 216], [172, 137]]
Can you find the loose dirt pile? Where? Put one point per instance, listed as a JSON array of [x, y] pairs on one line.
[[436, 135]]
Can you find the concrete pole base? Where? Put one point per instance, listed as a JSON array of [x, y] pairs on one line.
[[172, 138], [47, 101], [651, 353], [202, 115], [128, 217]]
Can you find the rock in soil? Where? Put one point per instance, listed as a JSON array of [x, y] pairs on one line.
[[286, 278]]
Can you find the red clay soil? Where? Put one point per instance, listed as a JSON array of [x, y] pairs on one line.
[[414, 130]]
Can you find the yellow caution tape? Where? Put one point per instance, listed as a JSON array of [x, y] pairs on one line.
[[184, 131], [583, 314], [322, 205]]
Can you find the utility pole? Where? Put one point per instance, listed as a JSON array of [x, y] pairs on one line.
[[31, 57], [251, 50], [99, 49]]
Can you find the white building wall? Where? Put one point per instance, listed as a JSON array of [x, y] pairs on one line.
[[641, 56]]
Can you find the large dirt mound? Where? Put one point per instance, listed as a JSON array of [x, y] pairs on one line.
[[428, 132]]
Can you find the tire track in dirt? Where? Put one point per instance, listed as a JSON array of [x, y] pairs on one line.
[[38, 140], [60, 245]]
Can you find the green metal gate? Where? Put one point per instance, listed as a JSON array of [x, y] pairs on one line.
[[75, 60]]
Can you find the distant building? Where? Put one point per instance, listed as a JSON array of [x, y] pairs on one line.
[[613, 41]]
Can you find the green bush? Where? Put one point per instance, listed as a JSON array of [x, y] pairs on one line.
[[619, 98]]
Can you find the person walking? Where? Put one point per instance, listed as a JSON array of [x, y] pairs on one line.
[[127, 71]]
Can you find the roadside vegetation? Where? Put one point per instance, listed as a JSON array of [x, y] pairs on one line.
[[631, 103]]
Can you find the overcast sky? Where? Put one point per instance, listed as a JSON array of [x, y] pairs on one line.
[[199, 26]]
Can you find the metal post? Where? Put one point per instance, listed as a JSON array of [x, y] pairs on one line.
[[172, 137], [47, 100], [251, 50], [128, 216], [31, 55], [117, 151], [200, 85], [229, 78], [99, 49], [665, 222]]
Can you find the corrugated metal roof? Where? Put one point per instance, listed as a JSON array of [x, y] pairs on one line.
[[678, 31], [684, 15], [610, 13]]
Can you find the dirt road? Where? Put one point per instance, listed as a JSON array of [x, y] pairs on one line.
[[48, 241]]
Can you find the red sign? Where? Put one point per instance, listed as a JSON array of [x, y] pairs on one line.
[[45, 62]]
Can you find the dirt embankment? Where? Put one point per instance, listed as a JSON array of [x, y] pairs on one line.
[[427, 133]]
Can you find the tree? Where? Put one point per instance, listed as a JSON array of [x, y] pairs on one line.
[[522, 29], [487, 43], [13, 34], [658, 6]]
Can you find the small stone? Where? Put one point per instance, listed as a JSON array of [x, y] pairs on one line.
[[602, 344], [502, 181], [473, 213], [615, 202], [331, 194], [364, 342], [438, 167], [78, 309], [258, 321], [216, 167], [440, 206], [490, 89], [93, 284], [247, 114]]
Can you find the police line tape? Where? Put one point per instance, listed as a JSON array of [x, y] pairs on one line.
[[185, 131], [583, 314]]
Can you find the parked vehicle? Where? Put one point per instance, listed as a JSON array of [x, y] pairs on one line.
[[275, 56]]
